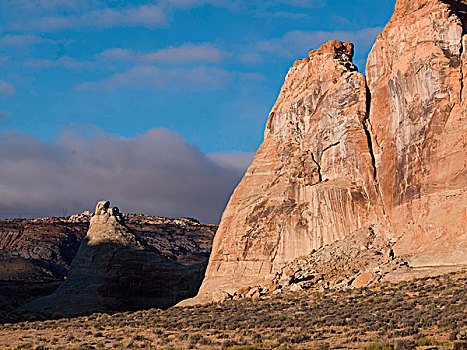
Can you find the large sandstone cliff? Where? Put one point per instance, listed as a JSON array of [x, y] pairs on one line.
[[342, 152], [415, 74], [312, 181]]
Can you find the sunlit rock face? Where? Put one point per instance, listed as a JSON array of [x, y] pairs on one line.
[[418, 126], [312, 180], [342, 152]]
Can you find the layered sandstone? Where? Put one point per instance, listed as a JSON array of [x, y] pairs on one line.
[[35, 256], [118, 268], [311, 182], [341, 154], [39, 250], [415, 74]]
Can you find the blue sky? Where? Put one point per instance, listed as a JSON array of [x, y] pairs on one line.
[[205, 71]]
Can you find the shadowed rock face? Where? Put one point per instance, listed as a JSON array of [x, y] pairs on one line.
[[38, 250], [311, 181], [35, 256], [116, 269], [418, 124], [340, 154]]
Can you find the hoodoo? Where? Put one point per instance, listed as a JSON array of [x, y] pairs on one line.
[[342, 153]]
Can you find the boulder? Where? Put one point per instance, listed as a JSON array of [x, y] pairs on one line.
[[362, 280]]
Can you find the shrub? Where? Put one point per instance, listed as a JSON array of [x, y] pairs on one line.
[[425, 341], [405, 344], [378, 346], [245, 347]]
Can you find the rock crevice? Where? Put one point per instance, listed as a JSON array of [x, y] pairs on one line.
[[318, 167], [367, 127]]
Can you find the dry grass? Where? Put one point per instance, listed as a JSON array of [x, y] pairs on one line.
[[428, 313]]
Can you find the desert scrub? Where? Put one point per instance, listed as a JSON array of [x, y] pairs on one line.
[[307, 320], [246, 347], [378, 346]]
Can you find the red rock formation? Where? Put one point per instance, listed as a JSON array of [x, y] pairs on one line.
[[339, 155], [418, 124], [311, 181]]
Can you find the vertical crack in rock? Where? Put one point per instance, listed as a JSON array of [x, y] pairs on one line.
[[459, 9], [461, 53], [366, 123], [320, 177]]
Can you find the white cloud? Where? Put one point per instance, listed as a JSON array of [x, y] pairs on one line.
[[157, 173], [156, 78], [243, 4], [21, 40], [49, 5], [6, 88], [65, 62], [233, 160], [118, 54], [284, 14], [186, 54], [188, 4], [300, 3], [205, 53], [4, 116], [251, 58], [149, 16]]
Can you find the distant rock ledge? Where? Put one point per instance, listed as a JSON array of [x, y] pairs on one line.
[[125, 261]]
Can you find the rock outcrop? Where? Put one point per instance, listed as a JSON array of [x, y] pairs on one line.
[[35, 256], [117, 268], [312, 180], [340, 155], [415, 74], [39, 250]]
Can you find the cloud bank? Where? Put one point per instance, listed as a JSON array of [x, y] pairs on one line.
[[157, 173]]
